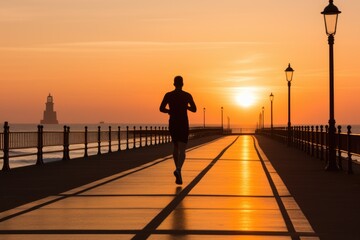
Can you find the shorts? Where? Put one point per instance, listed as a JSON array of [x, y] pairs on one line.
[[179, 132]]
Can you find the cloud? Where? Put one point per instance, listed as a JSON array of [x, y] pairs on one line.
[[129, 45]]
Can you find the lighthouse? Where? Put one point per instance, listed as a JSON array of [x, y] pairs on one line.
[[49, 113]]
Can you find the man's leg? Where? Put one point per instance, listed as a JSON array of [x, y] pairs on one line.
[[176, 154], [181, 156]]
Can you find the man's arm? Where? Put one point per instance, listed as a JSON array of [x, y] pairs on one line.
[[192, 106], [163, 104]]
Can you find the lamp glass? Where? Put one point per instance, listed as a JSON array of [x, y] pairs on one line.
[[289, 73], [330, 23], [271, 97]]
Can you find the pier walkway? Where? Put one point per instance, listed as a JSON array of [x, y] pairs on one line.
[[231, 191]]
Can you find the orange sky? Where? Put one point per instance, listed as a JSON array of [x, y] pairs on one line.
[[113, 60]]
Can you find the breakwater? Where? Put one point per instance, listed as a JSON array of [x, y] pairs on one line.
[[37, 144]]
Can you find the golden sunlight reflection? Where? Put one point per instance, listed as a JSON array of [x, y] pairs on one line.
[[245, 97]]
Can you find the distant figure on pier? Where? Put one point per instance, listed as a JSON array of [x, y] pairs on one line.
[[178, 102]]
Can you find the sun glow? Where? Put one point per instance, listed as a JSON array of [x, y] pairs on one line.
[[245, 98]]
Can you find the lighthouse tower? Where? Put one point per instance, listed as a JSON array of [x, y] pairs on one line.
[[49, 113]]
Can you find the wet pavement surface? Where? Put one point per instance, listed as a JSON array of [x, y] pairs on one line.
[[230, 190]]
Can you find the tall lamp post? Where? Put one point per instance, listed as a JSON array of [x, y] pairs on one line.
[[289, 72], [331, 13], [271, 112], [222, 118], [204, 116], [263, 122]]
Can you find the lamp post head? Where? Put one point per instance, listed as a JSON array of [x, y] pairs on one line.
[[289, 73], [330, 13], [271, 97]]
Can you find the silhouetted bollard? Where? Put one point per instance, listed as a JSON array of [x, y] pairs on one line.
[[66, 154], [339, 148], [86, 142], [350, 169], [6, 165], [99, 140], [127, 137], [119, 139], [308, 140], [109, 139], [39, 160]]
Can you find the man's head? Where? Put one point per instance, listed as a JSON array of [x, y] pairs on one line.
[[178, 82]]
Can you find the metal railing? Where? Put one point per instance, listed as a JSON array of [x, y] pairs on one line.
[[314, 141], [67, 141]]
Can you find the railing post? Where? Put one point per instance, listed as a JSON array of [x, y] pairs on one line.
[[312, 141], [146, 136], [127, 137], [297, 134], [162, 135], [6, 165], [99, 140], [109, 139], [40, 144], [308, 140], [155, 135], [339, 148], [66, 154], [151, 136], [327, 143], [317, 141], [165, 135], [302, 138], [134, 141], [86, 142], [350, 169], [305, 138], [119, 139], [321, 142], [140, 137]]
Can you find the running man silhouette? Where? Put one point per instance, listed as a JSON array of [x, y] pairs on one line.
[[179, 102]]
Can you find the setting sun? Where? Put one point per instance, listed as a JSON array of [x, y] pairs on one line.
[[245, 98]]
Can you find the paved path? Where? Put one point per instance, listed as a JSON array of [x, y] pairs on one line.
[[230, 189]]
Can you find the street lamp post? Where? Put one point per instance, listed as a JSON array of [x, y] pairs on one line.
[[271, 119], [222, 118], [331, 13], [263, 122], [289, 75], [204, 117], [260, 124]]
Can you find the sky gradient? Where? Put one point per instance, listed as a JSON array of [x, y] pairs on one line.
[[113, 60]]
